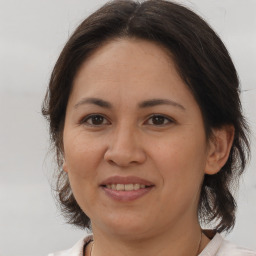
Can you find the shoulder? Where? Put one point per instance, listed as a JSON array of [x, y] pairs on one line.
[[76, 250], [221, 247], [228, 248]]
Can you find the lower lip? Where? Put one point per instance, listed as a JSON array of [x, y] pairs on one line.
[[125, 196]]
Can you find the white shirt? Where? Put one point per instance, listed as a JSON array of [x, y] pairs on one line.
[[216, 247]]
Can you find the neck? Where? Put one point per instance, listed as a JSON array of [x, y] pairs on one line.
[[174, 241]]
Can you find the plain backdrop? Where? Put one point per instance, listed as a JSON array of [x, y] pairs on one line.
[[32, 34]]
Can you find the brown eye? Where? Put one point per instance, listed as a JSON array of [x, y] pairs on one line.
[[159, 120], [95, 120]]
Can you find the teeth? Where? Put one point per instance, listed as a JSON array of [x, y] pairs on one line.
[[119, 186], [136, 186], [125, 187], [128, 187]]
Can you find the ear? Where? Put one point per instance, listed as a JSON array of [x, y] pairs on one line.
[[64, 166], [219, 148]]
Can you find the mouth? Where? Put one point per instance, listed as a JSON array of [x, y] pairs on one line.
[[126, 188]]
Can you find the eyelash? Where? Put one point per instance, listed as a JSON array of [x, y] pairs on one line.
[[85, 120], [163, 117], [167, 120]]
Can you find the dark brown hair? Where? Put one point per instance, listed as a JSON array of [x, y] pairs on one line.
[[203, 63]]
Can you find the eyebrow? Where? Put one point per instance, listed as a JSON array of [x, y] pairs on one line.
[[94, 101], [156, 102], [144, 104]]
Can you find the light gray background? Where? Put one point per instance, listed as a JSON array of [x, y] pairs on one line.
[[32, 33]]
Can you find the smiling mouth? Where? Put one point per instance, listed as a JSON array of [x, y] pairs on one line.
[[126, 187], [126, 192]]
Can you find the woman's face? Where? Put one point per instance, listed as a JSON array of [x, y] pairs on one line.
[[134, 141]]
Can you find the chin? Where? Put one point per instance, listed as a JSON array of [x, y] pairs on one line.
[[128, 228]]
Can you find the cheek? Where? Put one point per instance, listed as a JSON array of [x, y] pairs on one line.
[[181, 159], [82, 155], [180, 166]]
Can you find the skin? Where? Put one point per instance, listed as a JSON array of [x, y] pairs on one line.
[[171, 152]]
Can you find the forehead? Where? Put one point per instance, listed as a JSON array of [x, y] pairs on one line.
[[132, 49], [128, 62]]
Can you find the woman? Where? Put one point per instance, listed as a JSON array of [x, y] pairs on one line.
[[145, 116]]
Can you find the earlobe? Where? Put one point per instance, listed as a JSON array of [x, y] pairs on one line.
[[219, 149], [64, 166]]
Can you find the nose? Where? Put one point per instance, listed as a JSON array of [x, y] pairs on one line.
[[125, 148]]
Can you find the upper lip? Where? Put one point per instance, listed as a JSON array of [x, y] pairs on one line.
[[126, 180]]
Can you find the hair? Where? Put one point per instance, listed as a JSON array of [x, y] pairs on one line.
[[203, 63]]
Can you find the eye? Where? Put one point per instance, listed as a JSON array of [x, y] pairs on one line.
[[159, 120], [95, 120]]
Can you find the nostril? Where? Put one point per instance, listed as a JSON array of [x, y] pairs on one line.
[[124, 156], [111, 162]]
